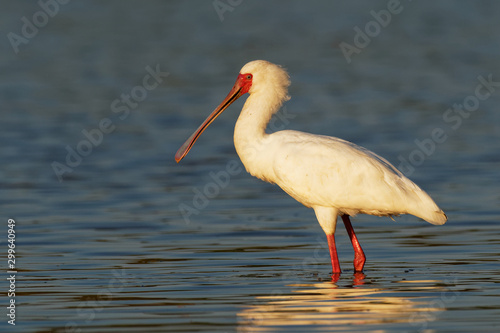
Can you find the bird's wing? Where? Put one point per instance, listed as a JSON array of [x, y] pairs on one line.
[[326, 171]]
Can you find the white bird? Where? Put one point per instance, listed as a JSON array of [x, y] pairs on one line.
[[330, 175]]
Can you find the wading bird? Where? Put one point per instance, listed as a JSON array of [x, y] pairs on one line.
[[330, 175]]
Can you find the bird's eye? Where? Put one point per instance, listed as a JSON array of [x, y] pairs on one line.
[[249, 76]]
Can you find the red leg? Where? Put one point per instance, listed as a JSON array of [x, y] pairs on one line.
[[333, 254], [359, 255]]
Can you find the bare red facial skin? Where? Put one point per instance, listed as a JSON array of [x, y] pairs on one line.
[[245, 81], [241, 86]]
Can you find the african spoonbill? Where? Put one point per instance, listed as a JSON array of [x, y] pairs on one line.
[[330, 175]]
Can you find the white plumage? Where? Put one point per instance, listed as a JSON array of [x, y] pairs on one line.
[[331, 175]]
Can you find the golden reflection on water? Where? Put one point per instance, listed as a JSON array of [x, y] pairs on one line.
[[326, 304]]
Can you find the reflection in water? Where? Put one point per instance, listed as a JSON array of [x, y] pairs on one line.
[[325, 304]]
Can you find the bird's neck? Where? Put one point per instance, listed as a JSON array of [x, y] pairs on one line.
[[250, 129]]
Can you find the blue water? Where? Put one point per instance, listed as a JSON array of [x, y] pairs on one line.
[[103, 240]]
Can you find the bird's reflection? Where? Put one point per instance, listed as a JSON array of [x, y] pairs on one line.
[[358, 278], [326, 304]]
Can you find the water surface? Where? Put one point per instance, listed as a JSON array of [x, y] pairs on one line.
[[108, 249]]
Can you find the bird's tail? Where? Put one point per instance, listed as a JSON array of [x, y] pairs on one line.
[[435, 217], [424, 207]]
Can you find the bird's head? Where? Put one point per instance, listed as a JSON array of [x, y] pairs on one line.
[[262, 76], [256, 77]]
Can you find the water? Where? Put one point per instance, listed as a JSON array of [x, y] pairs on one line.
[[108, 249]]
